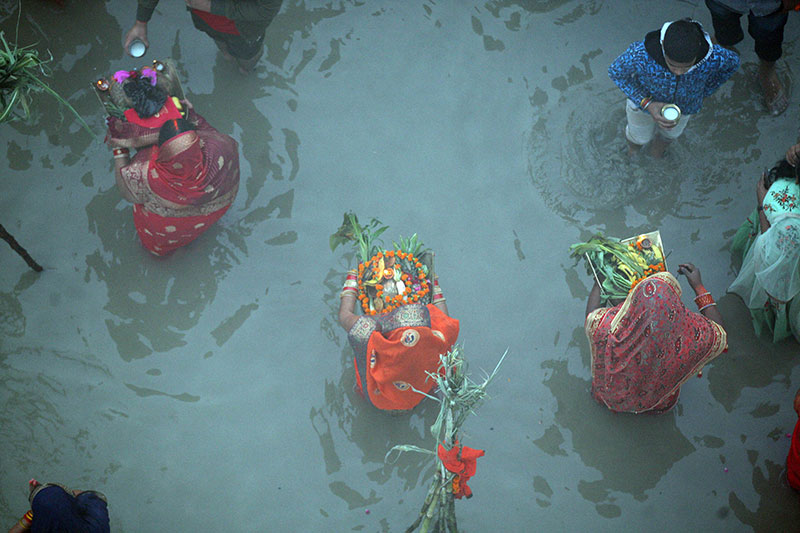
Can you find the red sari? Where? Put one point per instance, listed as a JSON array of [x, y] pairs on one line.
[[644, 349], [793, 459], [182, 187]]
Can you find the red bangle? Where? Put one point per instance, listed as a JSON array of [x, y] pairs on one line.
[[704, 300], [120, 151]]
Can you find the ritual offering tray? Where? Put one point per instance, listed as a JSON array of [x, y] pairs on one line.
[[392, 278], [112, 97], [387, 277], [619, 265]]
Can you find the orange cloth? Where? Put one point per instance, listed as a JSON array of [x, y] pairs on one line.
[[462, 461], [793, 459], [399, 361]]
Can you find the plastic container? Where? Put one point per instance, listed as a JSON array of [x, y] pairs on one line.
[[137, 48]]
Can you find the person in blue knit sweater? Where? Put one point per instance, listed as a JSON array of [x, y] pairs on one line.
[[675, 65]]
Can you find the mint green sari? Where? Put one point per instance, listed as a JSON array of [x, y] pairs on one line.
[[769, 281]]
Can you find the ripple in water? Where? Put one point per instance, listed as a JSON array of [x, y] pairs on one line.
[[593, 177]]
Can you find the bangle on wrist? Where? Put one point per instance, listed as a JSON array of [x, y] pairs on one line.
[[118, 151], [707, 306], [704, 300]]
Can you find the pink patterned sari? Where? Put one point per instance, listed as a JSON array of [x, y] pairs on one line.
[[644, 349], [182, 187]]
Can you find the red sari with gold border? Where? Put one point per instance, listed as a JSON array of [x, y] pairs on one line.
[[644, 349], [182, 187]]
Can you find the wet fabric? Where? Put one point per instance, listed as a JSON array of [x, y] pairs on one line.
[[163, 235], [793, 459], [769, 280], [217, 22], [182, 187], [55, 510], [644, 349], [395, 351], [231, 42], [251, 17]]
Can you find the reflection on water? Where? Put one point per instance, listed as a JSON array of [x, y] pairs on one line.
[[543, 6], [754, 362]]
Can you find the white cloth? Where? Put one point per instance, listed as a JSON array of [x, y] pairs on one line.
[[772, 265]]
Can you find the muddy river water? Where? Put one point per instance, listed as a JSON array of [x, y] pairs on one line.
[[213, 389]]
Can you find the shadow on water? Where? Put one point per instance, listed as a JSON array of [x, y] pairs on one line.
[[648, 445], [750, 362], [772, 503], [594, 178], [373, 431]]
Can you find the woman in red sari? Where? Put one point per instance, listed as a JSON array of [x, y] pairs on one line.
[[646, 347], [185, 174], [395, 351], [180, 186]]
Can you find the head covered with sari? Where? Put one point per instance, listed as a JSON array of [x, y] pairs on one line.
[[644, 349], [57, 510], [396, 352], [772, 265], [191, 168]]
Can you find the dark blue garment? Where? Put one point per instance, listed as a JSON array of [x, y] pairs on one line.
[[56, 511], [639, 74]]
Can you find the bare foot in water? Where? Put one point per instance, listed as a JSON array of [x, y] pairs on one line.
[[774, 95]]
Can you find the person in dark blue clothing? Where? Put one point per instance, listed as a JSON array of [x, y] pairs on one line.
[[58, 509], [675, 65], [765, 22]]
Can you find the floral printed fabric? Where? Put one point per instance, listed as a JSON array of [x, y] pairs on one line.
[[639, 75], [644, 349], [782, 197]]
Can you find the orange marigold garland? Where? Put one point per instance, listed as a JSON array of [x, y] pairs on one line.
[[390, 279]]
